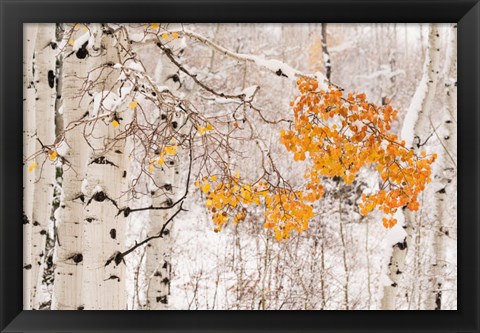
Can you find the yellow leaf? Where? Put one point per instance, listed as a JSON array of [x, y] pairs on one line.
[[165, 36], [71, 42], [203, 130], [206, 188], [52, 155], [32, 166], [115, 123], [154, 25], [175, 35], [213, 178], [133, 105], [161, 161], [84, 29], [209, 127], [171, 150], [150, 168]]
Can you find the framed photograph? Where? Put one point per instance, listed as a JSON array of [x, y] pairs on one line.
[[238, 156]]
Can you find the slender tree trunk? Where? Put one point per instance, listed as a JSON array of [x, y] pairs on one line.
[[158, 252], [107, 183], [369, 275], [326, 55], [323, 272], [396, 267], [414, 132], [45, 133], [446, 169], [344, 254], [166, 189], [29, 38], [69, 255]]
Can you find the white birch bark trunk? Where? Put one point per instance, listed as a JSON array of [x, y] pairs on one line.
[[446, 175], [325, 54], [45, 58], [158, 252], [29, 38], [104, 285], [414, 132], [68, 257]]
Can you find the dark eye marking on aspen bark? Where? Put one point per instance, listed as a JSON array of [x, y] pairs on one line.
[[113, 277], [103, 160], [25, 219], [165, 280], [117, 257], [100, 197], [76, 258], [402, 245], [81, 197], [82, 52], [162, 299], [51, 79]]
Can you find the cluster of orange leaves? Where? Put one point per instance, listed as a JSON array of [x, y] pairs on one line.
[[341, 135], [227, 200], [344, 134]]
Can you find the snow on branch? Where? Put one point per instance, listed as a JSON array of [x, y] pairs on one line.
[[273, 65]]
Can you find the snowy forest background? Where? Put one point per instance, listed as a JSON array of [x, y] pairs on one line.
[[110, 222]]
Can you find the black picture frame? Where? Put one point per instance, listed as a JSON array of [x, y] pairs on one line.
[[14, 13]]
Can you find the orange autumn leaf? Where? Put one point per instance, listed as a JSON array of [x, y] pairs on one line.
[[52, 155]]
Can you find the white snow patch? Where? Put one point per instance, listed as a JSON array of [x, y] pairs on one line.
[[250, 92], [397, 233], [62, 148], [77, 44], [411, 117], [162, 88], [133, 65], [97, 189], [277, 66], [105, 99], [322, 79]]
